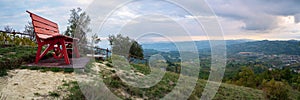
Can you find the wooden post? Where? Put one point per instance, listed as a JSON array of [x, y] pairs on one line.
[[106, 53]]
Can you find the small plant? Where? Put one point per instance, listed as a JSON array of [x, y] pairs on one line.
[[36, 94], [66, 84], [68, 70], [55, 69], [108, 65], [34, 68], [54, 94]]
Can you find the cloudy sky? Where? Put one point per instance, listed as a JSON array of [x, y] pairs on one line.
[[158, 20]]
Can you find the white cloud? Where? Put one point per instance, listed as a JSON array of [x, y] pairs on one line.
[[239, 19]]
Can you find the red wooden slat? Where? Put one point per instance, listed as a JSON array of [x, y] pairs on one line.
[[43, 36], [43, 20], [42, 25], [44, 31]]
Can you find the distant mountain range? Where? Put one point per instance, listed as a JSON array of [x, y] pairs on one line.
[[291, 47], [169, 46]]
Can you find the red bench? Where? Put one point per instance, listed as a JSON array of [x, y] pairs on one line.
[[47, 33]]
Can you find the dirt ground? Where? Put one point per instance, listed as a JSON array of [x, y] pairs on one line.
[[23, 84]]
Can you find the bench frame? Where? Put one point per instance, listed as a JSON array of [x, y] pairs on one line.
[[47, 33]]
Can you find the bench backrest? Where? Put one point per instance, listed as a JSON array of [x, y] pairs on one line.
[[43, 27]]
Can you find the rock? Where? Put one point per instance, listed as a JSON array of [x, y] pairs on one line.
[[171, 83]]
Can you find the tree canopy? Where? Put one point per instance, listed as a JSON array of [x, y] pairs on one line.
[[79, 25], [126, 47]]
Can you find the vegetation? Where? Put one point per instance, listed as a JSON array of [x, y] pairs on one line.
[[54, 94], [126, 47], [8, 29], [141, 68], [12, 57], [277, 84], [6, 39], [276, 90], [75, 92], [267, 47], [29, 30], [167, 84], [3, 72], [45, 69], [78, 25]]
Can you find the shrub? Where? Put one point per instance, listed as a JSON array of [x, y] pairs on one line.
[[68, 70], [108, 65], [54, 94], [36, 94], [13, 57], [3, 72], [275, 90]]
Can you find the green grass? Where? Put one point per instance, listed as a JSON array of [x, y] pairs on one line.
[[226, 91], [162, 88], [45, 69], [75, 92], [141, 68], [12, 57]]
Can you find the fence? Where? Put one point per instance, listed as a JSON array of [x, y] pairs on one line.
[[15, 33], [101, 53], [8, 39]]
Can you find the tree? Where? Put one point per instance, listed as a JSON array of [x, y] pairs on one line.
[[246, 78], [79, 25], [8, 29], [95, 40], [126, 47], [275, 90], [287, 73], [30, 31]]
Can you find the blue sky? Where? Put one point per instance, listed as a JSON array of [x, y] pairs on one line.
[[13, 12], [239, 19]]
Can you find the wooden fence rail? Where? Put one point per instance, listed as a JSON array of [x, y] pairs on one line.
[[15, 33]]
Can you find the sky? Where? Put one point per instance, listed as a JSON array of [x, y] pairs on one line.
[[170, 20]]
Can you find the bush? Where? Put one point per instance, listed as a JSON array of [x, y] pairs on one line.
[[13, 57], [275, 90], [108, 65], [54, 94], [3, 72], [6, 39], [68, 70]]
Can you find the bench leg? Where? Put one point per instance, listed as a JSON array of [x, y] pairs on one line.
[[50, 47], [64, 51], [38, 53]]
